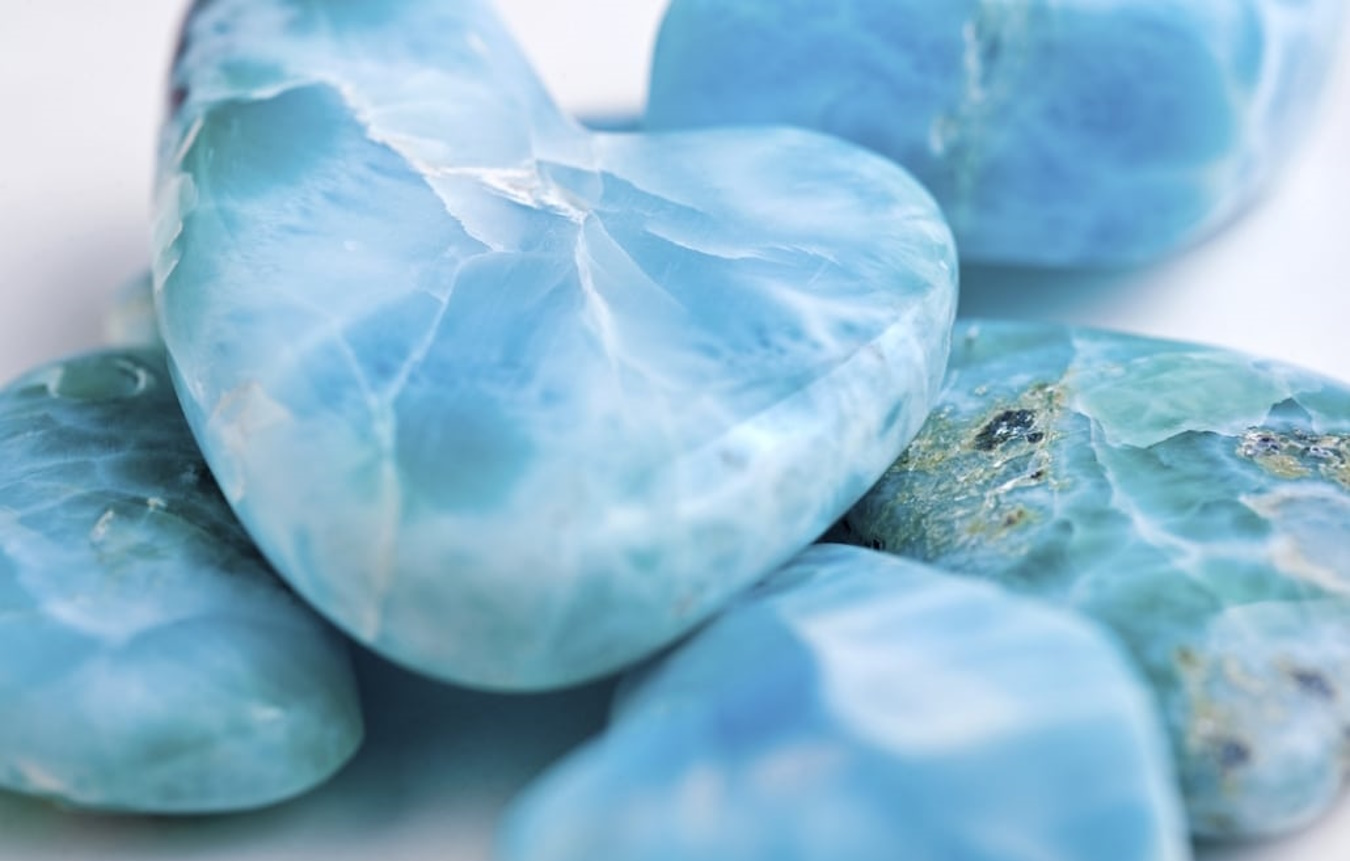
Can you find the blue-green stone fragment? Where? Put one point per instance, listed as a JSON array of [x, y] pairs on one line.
[[1072, 132], [1195, 500], [862, 707], [149, 659], [513, 402]]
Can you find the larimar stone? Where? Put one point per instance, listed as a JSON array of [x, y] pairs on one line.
[[512, 402], [149, 660], [1195, 500], [862, 707], [1079, 132]]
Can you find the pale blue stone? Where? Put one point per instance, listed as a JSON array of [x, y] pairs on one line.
[[1194, 499], [512, 402], [863, 707], [149, 660], [1083, 132]]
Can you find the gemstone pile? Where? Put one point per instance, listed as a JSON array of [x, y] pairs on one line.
[[518, 404]]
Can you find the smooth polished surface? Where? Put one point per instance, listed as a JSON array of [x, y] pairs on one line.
[[1195, 500], [865, 707], [515, 403], [1272, 284], [1069, 133], [149, 659]]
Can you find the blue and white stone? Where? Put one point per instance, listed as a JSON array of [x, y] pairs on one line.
[[1194, 499], [1073, 132], [863, 707], [149, 659], [512, 402]]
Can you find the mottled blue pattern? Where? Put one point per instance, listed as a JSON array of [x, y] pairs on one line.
[[1083, 132], [149, 660], [1196, 500], [867, 708], [513, 402]]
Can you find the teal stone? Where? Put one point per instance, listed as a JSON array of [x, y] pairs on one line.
[[1074, 132], [512, 402], [149, 659], [1195, 500], [860, 707]]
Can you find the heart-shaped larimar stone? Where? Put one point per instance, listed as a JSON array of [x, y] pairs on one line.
[[149, 660], [1083, 132], [512, 402], [868, 708], [1195, 500]]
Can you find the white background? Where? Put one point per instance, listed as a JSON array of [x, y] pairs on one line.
[[80, 96]]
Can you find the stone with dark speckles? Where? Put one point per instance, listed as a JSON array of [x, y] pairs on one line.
[[1196, 500]]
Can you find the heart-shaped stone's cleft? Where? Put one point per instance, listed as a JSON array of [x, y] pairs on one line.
[[512, 402]]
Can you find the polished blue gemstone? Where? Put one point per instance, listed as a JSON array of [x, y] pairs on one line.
[[862, 707], [1082, 132], [512, 402], [149, 659], [1196, 500]]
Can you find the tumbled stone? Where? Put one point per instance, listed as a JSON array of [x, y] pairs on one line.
[[863, 707], [516, 403], [1084, 132], [149, 659], [1195, 500]]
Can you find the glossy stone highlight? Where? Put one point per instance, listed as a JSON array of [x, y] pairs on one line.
[[1195, 500], [512, 402], [149, 660], [1083, 132], [863, 707]]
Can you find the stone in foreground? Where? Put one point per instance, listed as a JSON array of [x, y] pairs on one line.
[[1082, 132], [867, 708], [149, 660], [515, 403], [1195, 500]]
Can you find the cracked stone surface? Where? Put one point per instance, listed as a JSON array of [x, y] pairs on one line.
[[512, 402], [149, 659], [1195, 500], [866, 707], [1072, 132]]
